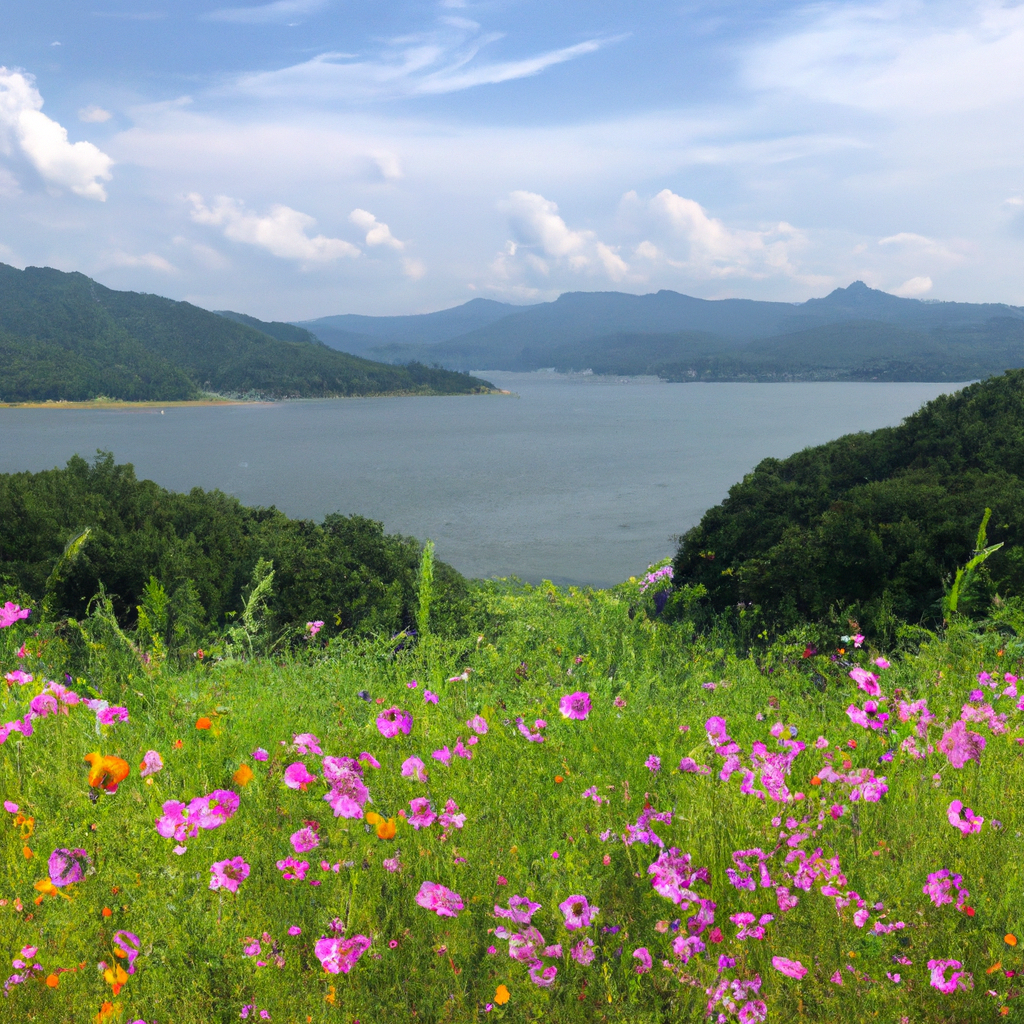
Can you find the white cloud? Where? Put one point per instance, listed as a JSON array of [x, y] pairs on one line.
[[263, 14], [76, 166], [376, 232], [9, 186], [413, 269], [908, 241], [282, 232], [914, 287], [93, 114], [541, 229], [149, 260]]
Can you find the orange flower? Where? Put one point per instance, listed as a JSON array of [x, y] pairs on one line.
[[47, 888], [115, 977], [1010, 939], [558, 778], [501, 996], [387, 829], [26, 824], [203, 723], [52, 981], [243, 776], [106, 913], [27, 853], [995, 967], [106, 771], [815, 781], [373, 818], [178, 744], [107, 1010]]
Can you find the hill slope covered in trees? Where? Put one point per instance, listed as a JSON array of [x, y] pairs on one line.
[[65, 337]]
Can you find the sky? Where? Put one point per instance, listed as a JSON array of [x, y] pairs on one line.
[[302, 158]]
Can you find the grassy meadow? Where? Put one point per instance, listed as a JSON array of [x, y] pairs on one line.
[[494, 862]]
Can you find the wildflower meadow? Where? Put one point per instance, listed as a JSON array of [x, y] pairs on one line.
[[579, 813]]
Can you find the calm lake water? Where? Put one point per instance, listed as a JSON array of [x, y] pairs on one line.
[[577, 479]]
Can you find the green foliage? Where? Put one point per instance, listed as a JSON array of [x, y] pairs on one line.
[[174, 566], [65, 337], [425, 589], [873, 525]]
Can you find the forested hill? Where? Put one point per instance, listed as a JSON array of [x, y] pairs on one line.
[[874, 524], [65, 337]]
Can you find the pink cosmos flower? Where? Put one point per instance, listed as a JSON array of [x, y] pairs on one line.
[[882, 663], [43, 704], [620, 701], [643, 955], [291, 868], [450, 817], [19, 677], [543, 976], [129, 944], [305, 840], [687, 947], [717, 731], [314, 627], [229, 874], [367, 758], [306, 743], [970, 821], [429, 697], [444, 755], [791, 968], [520, 909], [478, 724], [957, 979], [392, 864], [294, 930], [347, 794], [578, 913], [11, 807], [68, 866], [423, 815], [525, 946], [393, 721], [524, 730], [867, 681], [674, 876], [108, 716], [653, 763], [259, 754], [152, 763], [10, 613], [960, 745], [583, 952], [297, 776], [747, 928], [413, 768], [575, 705], [939, 888], [439, 898], [461, 750], [339, 956], [821, 743], [871, 717]]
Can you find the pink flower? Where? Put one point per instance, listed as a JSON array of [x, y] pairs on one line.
[[643, 955], [578, 913], [583, 952], [717, 731], [429, 697], [229, 874], [43, 704], [295, 930], [520, 909], [871, 717], [297, 776], [314, 627], [392, 864], [450, 817], [10, 807], [444, 755], [439, 898], [969, 823], [291, 868], [393, 721], [478, 724], [10, 613], [867, 681], [367, 758], [152, 763], [960, 745], [791, 968], [305, 840], [957, 979], [339, 956], [259, 754], [653, 763], [306, 743], [461, 750], [413, 768], [541, 975], [68, 866], [19, 677], [348, 793], [687, 947], [575, 705], [423, 815]]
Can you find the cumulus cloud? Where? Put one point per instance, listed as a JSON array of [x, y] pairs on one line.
[[78, 166], [94, 115], [282, 232], [543, 232], [376, 232], [914, 287], [263, 14]]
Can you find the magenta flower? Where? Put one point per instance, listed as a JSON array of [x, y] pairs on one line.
[[68, 866], [393, 721], [747, 928], [43, 704], [444, 755], [643, 955], [575, 705], [867, 681], [129, 944], [957, 979], [462, 751], [578, 913], [339, 956], [450, 816], [19, 677], [152, 763], [314, 627], [429, 697], [306, 743], [939, 888], [347, 793], [871, 717], [960, 745], [583, 952], [541, 975], [478, 724], [717, 731], [970, 821], [367, 758], [439, 898], [305, 840], [520, 909], [674, 877], [392, 864], [423, 815], [291, 868], [653, 763], [791, 968], [10, 613], [259, 754], [413, 768], [687, 947], [229, 874], [297, 776], [108, 716], [525, 946]]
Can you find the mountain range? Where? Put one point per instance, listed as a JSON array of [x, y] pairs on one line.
[[854, 333], [66, 337]]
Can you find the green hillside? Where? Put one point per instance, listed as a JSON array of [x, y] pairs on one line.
[[874, 524], [65, 337]]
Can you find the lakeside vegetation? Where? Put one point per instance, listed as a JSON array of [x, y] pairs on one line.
[[65, 337]]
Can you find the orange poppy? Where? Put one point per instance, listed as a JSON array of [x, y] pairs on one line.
[[995, 967], [502, 995], [115, 977], [203, 723], [558, 778], [52, 981], [373, 818], [387, 829], [106, 913], [815, 781], [243, 776], [106, 771], [1010, 939]]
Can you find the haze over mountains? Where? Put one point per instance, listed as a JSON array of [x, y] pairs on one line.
[[854, 333]]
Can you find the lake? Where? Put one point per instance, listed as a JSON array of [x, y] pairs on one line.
[[576, 479]]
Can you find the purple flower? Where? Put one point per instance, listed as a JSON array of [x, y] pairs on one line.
[[393, 721], [520, 910], [653, 763], [867, 681], [228, 874], [429, 697], [578, 913], [305, 840], [871, 717], [108, 716], [444, 755], [960, 745], [575, 705], [68, 866], [970, 821], [541, 975], [643, 955], [291, 868], [439, 898], [583, 952], [957, 979]]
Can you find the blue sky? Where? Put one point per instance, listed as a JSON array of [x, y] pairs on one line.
[[301, 158]]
